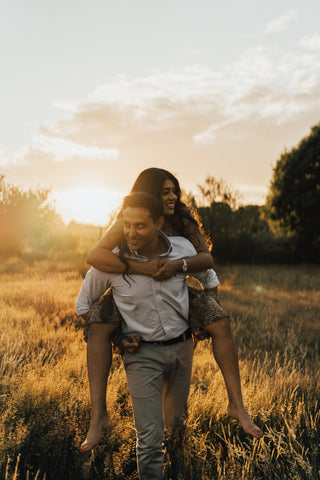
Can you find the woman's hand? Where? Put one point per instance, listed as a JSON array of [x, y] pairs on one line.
[[200, 334], [148, 268], [167, 269]]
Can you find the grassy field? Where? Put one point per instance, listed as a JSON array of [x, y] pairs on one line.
[[44, 398]]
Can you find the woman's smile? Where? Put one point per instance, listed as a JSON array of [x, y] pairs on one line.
[[168, 197]]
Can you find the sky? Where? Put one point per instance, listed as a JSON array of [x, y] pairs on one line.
[[93, 92]]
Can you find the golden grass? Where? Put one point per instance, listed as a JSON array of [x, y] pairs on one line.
[[44, 399]]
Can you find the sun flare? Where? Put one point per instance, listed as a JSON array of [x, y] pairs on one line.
[[88, 205]]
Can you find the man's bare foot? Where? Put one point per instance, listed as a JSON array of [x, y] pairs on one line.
[[245, 421], [97, 427]]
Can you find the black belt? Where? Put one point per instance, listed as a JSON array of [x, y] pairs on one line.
[[182, 338]]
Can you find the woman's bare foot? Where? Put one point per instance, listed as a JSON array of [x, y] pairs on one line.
[[247, 424], [97, 427]]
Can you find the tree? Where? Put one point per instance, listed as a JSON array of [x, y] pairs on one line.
[[293, 203], [217, 199], [27, 219], [238, 233], [218, 191]]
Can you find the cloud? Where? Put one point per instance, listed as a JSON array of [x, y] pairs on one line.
[[311, 42], [60, 149], [193, 120], [265, 86], [3, 157], [262, 84], [175, 85], [66, 105], [281, 23], [19, 158]]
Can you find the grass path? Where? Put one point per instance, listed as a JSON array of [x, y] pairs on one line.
[[44, 401]]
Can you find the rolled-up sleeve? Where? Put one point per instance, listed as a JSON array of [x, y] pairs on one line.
[[208, 278], [94, 285]]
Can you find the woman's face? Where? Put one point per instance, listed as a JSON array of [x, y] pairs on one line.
[[168, 197]]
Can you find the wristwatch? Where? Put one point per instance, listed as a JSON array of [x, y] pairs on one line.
[[184, 267]]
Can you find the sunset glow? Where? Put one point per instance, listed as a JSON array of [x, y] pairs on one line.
[[224, 93], [88, 205]]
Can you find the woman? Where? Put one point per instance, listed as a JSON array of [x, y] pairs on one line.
[[178, 221]]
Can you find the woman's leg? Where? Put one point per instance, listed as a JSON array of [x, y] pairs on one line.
[[226, 356], [99, 358]]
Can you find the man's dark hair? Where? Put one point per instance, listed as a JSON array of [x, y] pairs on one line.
[[144, 200]]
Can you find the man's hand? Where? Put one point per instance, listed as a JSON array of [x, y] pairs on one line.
[[131, 343], [167, 268]]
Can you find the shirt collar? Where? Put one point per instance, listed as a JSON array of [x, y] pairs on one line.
[[136, 255]]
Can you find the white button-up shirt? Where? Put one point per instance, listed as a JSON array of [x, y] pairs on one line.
[[152, 309]]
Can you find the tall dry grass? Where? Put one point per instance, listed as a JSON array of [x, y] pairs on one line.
[[44, 399]]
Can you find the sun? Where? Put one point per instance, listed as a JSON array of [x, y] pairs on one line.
[[88, 204]]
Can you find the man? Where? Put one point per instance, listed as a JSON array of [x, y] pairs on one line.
[[159, 372]]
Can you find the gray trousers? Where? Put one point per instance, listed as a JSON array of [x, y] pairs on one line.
[[159, 381]]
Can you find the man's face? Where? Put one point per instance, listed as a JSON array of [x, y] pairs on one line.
[[139, 229]]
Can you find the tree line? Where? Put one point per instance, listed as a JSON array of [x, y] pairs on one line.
[[285, 229], [29, 223]]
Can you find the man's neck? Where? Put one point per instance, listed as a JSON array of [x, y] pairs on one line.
[[155, 248]]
